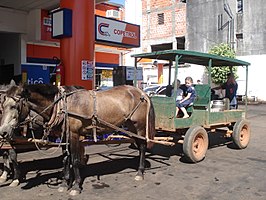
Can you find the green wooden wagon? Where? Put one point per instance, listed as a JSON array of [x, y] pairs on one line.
[[192, 131]]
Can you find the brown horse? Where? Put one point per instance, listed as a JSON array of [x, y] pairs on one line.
[[82, 113]]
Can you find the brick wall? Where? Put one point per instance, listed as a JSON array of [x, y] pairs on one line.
[[174, 21]]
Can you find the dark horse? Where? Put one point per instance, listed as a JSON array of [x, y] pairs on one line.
[[82, 113], [9, 150]]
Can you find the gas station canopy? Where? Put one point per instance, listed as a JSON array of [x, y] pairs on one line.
[[27, 5]]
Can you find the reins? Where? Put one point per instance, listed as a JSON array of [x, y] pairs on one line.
[[63, 96], [48, 107], [136, 107]]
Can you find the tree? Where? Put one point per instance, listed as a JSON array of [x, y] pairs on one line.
[[219, 74]]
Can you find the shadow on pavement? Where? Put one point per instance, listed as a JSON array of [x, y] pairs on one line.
[[44, 169]]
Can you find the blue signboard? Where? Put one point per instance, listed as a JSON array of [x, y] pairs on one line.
[[62, 23], [36, 74]]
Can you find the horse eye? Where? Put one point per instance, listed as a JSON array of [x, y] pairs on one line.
[[13, 107]]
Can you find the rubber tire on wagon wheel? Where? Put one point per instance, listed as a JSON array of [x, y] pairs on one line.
[[241, 134], [195, 144]]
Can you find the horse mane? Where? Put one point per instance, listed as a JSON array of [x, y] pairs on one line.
[[25, 89], [46, 90], [42, 89]]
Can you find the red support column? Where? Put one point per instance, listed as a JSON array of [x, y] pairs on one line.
[[79, 47]]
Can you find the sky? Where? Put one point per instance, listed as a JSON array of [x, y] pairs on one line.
[[118, 1]]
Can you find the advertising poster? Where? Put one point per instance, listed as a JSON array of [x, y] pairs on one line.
[[35, 74], [130, 71], [87, 70]]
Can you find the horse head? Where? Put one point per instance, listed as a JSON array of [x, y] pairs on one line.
[[14, 110], [3, 89]]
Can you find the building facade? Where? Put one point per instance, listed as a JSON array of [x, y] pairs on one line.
[[163, 28], [200, 25], [163, 25], [241, 24]]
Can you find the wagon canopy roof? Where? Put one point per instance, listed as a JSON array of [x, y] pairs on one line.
[[193, 57]]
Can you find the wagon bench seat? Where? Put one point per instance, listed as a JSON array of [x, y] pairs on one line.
[[202, 99]]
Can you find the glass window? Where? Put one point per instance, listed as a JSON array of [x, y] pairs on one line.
[[161, 18], [239, 6]]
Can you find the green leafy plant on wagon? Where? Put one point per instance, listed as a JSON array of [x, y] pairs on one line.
[[219, 74]]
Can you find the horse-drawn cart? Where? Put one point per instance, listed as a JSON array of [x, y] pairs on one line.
[[192, 131], [73, 113]]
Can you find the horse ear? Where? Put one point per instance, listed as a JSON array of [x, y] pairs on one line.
[[26, 93], [12, 83]]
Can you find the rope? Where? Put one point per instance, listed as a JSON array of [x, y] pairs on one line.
[[136, 107], [54, 102], [65, 123], [94, 116], [121, 130], [65, 126], [44, 151]]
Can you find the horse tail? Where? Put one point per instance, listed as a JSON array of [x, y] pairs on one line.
[[150, 122]]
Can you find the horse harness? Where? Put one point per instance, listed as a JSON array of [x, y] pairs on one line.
[[96, 120], [60, 114]]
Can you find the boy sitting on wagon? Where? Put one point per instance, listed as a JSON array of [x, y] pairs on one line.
[[188, 99]]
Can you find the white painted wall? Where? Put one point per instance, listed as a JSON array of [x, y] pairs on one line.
[[133, 15], [17, 29], [23, 41], [13, 21], [256, 78], [13, 24], [34, 25]]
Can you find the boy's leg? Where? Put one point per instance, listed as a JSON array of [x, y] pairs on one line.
[[185, 112], [176, 111]]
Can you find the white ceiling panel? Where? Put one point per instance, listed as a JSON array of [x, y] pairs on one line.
[[27, 5]]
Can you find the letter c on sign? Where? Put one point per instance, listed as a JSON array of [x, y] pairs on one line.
[[102, 25]]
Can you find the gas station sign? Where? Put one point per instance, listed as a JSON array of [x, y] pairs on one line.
[[116, 32]]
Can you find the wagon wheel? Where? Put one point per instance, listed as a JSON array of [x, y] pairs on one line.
[[195, 144], [241, 133]]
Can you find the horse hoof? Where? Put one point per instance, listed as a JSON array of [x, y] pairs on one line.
[[14, 183], [2, 180], [3, 177], [61, 189], [74, 192], [139, 178]]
